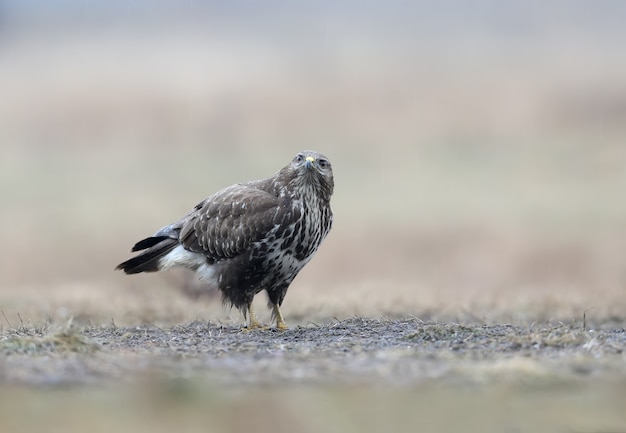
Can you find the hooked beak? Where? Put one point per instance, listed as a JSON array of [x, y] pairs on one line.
[[308, 162]]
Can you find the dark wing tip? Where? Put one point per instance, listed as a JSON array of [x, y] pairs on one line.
[[122, 267], [148, 242], [130, 266]]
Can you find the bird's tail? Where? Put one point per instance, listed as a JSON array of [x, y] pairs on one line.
[[154, 248]]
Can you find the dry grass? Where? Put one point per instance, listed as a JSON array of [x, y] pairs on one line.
[[404, 352], [33, 341], [352, 375]]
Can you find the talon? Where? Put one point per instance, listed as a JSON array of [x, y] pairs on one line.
[[253, 323], [257, 327]]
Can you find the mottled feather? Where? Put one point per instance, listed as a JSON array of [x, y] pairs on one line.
[[250, 236], [227, 223]]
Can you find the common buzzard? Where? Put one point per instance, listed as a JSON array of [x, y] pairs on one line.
[[249, 237]]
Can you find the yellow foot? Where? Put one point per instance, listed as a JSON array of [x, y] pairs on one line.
[[282, 326], [280, 322], [253, 323]]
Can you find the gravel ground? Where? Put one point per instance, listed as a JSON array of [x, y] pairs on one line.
[[359, 350], [357, 375]]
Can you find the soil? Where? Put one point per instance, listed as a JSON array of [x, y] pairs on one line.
[[359, 350]]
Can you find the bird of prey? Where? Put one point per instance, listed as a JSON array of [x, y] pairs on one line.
[[250, 236]]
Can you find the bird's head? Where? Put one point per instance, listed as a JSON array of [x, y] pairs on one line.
[[309, 171]]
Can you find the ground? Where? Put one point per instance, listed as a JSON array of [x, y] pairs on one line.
[[553, 376]]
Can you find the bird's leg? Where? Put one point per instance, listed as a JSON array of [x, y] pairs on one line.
[[280, 322], [253, 322]]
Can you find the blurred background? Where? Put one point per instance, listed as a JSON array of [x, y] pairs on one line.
[[479, 150]]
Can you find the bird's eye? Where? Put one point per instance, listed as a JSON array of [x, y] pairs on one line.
[[323, 163], [299, 158]]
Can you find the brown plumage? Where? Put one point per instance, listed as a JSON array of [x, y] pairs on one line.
[[249, 237]]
